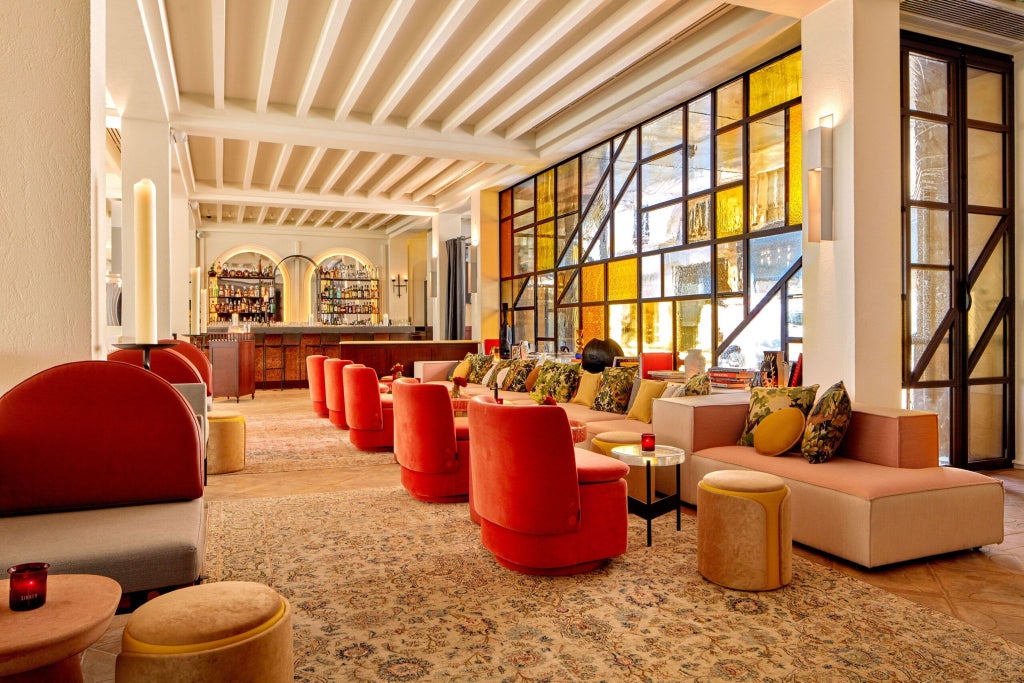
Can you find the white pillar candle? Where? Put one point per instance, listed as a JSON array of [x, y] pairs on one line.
[[145, 262], [194, 326]]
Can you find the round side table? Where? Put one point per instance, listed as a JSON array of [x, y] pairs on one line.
[[44, 644], [661, 456]]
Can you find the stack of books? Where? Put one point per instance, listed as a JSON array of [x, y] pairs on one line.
[[730, 378], [669, 375]]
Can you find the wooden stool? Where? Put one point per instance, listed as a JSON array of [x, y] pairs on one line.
[[228, 631], [744, 539], [225, 445], [637, 478]]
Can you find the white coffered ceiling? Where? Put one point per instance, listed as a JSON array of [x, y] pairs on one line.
[[373, 115]]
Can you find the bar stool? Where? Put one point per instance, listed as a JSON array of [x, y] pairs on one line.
[[744, 540], [317, 390]]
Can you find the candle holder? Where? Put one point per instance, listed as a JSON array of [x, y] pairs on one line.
[[28, 586], [145, 348], [647, 442]]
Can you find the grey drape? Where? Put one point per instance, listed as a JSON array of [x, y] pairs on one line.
[[455, 318]]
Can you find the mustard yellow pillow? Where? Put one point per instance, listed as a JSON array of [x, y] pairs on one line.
[[778, 432], [590, 382], [648, 391], [462, 369]]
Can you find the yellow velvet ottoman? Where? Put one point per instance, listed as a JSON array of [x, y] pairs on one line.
[[228, 631], [744, 540], [637, 477], [225, 443]]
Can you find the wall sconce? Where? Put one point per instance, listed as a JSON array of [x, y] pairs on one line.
[[398, 283], [819, 181]]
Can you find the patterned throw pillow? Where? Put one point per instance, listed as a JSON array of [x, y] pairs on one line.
[[479, 364], [557, 380], [826, 424], [616, 387], [698, 385], [518, 371], [495, 373], [766, 400]]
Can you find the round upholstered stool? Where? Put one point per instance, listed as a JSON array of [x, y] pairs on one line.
[[225, 443], [637, 477], [229, 631], [743, 534]]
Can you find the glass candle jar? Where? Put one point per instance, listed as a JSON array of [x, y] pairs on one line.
[[647, 442], [28, 586]]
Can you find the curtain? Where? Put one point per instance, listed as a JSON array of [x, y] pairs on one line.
[[455, 318]]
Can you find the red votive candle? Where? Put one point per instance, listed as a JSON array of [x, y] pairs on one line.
[[499, 401], [647, 442], [28, 586]]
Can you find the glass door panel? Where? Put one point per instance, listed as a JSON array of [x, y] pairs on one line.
[[984, 168], [985, 424]]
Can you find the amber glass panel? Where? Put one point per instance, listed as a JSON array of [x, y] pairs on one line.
[[593, 283], [698, 219], [979, 230], [622, 280], [929, 236], [928, 78], [546, 195], [568, 286], [622, 326], [729, 212], [506, 203], [568, 186], [662, 228], [729, 266], [650, 277], [768, 172], [593, 323], [698, 145], [775, 83], [523, 249], [658, 325], [985, 422], [729, 148], [693, 326], [984, 168], [688, 272], [662, 133], [546, 246], [662, 179], [506, 248], [929, 160], [522, 196], [729, 101], [567, 233], [984, 96], [796, 178], [568, 323], [625, 162], [546, 305], [986, 294], [625, 222]]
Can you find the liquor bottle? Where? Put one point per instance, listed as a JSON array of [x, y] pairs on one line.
[[505, 334]]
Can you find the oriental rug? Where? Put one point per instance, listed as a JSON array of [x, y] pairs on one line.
[[384, 587]]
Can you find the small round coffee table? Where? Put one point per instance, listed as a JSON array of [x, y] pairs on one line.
[[44, 644], [661, 456]]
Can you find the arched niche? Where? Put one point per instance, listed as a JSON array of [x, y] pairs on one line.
[[241, 279], [347, 290]]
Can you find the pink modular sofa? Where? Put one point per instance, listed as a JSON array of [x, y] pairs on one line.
[[101, 473], [884, 499]]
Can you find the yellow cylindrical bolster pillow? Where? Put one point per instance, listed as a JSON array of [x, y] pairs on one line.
[[770, 501], [130, 644]]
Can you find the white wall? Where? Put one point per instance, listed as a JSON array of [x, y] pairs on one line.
[[183, 255], [399, 307]]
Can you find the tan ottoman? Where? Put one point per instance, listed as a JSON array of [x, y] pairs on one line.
[[637, 477], [228, 631], [225, 444], [744, 539]]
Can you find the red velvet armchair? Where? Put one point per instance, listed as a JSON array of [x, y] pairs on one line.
[[317, 389], [195, 356], [334, 391], [370, 417], [166, 363], [432, 449], [545, 506]]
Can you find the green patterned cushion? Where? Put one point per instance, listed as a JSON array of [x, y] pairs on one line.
[[557, 380], [479, 364], [491, 378], [698, 385], [766, 400], [519, 370], [616, 387], [826, 424]]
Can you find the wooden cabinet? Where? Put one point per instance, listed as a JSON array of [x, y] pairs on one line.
[[234, 364]]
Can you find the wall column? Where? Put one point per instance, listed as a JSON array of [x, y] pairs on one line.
[[852, 285], [486, 316]]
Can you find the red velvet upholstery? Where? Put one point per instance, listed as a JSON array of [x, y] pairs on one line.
[[370, 416], [545, 507], [435, 463], [334, 391], [166, 363], [131, 438], [656, 360], [195, 356], [317, 389]]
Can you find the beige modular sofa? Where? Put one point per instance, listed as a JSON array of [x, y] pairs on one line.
[[884, 499]]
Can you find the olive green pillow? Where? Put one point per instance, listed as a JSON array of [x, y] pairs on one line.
[[698, 385], [616, 387], [766, 400], [479, 364], [827, 424], [518, 371], [557, 380]]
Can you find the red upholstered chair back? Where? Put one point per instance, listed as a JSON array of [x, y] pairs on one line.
[[315, 375], [166, 363], [334, 390], [96, 434], [363, 408], [524, 467], [195, 356], [425, 439], [656, 360]]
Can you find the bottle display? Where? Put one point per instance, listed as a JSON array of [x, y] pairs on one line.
[[349, 293], [245, 288]]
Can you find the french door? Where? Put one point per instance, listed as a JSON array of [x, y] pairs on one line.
[[958, 291]]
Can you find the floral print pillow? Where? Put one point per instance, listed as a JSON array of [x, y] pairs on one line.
[[766, 400], [616, 387], [557, 380], [479, 364], [698, 385], [518, 371], [826, 424]]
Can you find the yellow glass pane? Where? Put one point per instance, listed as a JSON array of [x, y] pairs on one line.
[[546, 195], [622, 280], [506, 248], [546, 246], [729, 212], [622, 327], [593, 283], [775, 83], [657, 326], [796, 176], [593, 323]]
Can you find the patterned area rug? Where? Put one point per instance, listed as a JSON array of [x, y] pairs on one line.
[[285, 435], [388, 588]]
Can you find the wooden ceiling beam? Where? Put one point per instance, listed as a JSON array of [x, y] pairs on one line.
[[218, 13], [365, 173], [392, 176], [271, 47], [311, 165], [280, 166], [325, 45]]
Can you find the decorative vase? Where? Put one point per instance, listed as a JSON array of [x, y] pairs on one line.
[[772, 368], [695, 363], [456, 391]]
